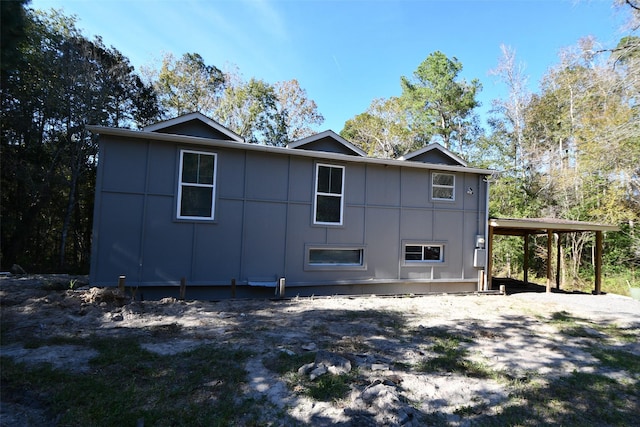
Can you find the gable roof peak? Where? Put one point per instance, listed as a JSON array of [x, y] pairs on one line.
[[328, 134], [194, 116], [437, 147]]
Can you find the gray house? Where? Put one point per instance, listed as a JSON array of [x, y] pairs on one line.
[[187, 199]]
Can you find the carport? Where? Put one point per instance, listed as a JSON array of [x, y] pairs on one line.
[[526, 227]]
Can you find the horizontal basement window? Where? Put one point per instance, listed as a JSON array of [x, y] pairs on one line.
[[423, 253], [327, 258]]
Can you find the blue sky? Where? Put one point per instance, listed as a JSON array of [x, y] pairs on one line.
[[345, 53]]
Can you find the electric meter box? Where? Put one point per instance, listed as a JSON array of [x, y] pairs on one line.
[[479, 257]]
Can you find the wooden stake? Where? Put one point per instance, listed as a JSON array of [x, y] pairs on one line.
[[233, 288], [183, 287], [121, 281]]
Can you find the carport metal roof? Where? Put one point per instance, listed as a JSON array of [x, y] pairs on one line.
[[528, 226]]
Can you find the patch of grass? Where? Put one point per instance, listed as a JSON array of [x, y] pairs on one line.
[[55, 284], [564, 317], [168, 329], [283, 363], [32, 342], [577, 327], [621, 334], [329, 387], [617, 359], [431, 333], [128, 383], [453, 358], [351, 344], [578, 399], [385, 319]]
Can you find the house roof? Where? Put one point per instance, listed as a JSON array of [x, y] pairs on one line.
[[331, 135], [225, 143], [156, 127], [434, 147], [522, 226]]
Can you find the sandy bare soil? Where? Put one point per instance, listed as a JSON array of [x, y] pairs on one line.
[[378, 336]]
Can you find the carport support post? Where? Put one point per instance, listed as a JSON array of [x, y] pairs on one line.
[[526, 259], [549, 249], [489, 266], [598, 272], [558, 261]]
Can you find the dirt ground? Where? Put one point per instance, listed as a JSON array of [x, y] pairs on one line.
[[379, 336]]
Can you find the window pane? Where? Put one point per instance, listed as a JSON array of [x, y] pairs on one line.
[[413, 253], [205, 169], [324, 177], [335, 256], [196, 201], [336, 181], [442, 179], [443, 193], [190, 167], [432, 253], [328, 209]]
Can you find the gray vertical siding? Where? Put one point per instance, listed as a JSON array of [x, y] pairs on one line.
[[264, 220]]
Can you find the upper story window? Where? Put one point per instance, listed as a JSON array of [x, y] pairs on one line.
[[329, 194], [197, 186], [443, 186]]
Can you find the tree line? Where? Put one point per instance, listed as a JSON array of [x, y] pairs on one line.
[[571, 150]]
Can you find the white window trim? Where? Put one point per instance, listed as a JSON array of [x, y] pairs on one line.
[[452, 187], [329, 266], [190, 184], [422, 244], [316, 193]]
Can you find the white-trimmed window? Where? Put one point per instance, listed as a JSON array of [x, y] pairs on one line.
[[443, 186], [197, 185], [420, 253], [334, 257], [328, 202]]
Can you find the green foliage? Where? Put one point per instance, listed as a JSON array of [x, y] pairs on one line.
[[249, 109], [441, 105], [271, 114], [382, 131], [188, 85], [435, 106], [13, 34], [575, 153], [61, 82]]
